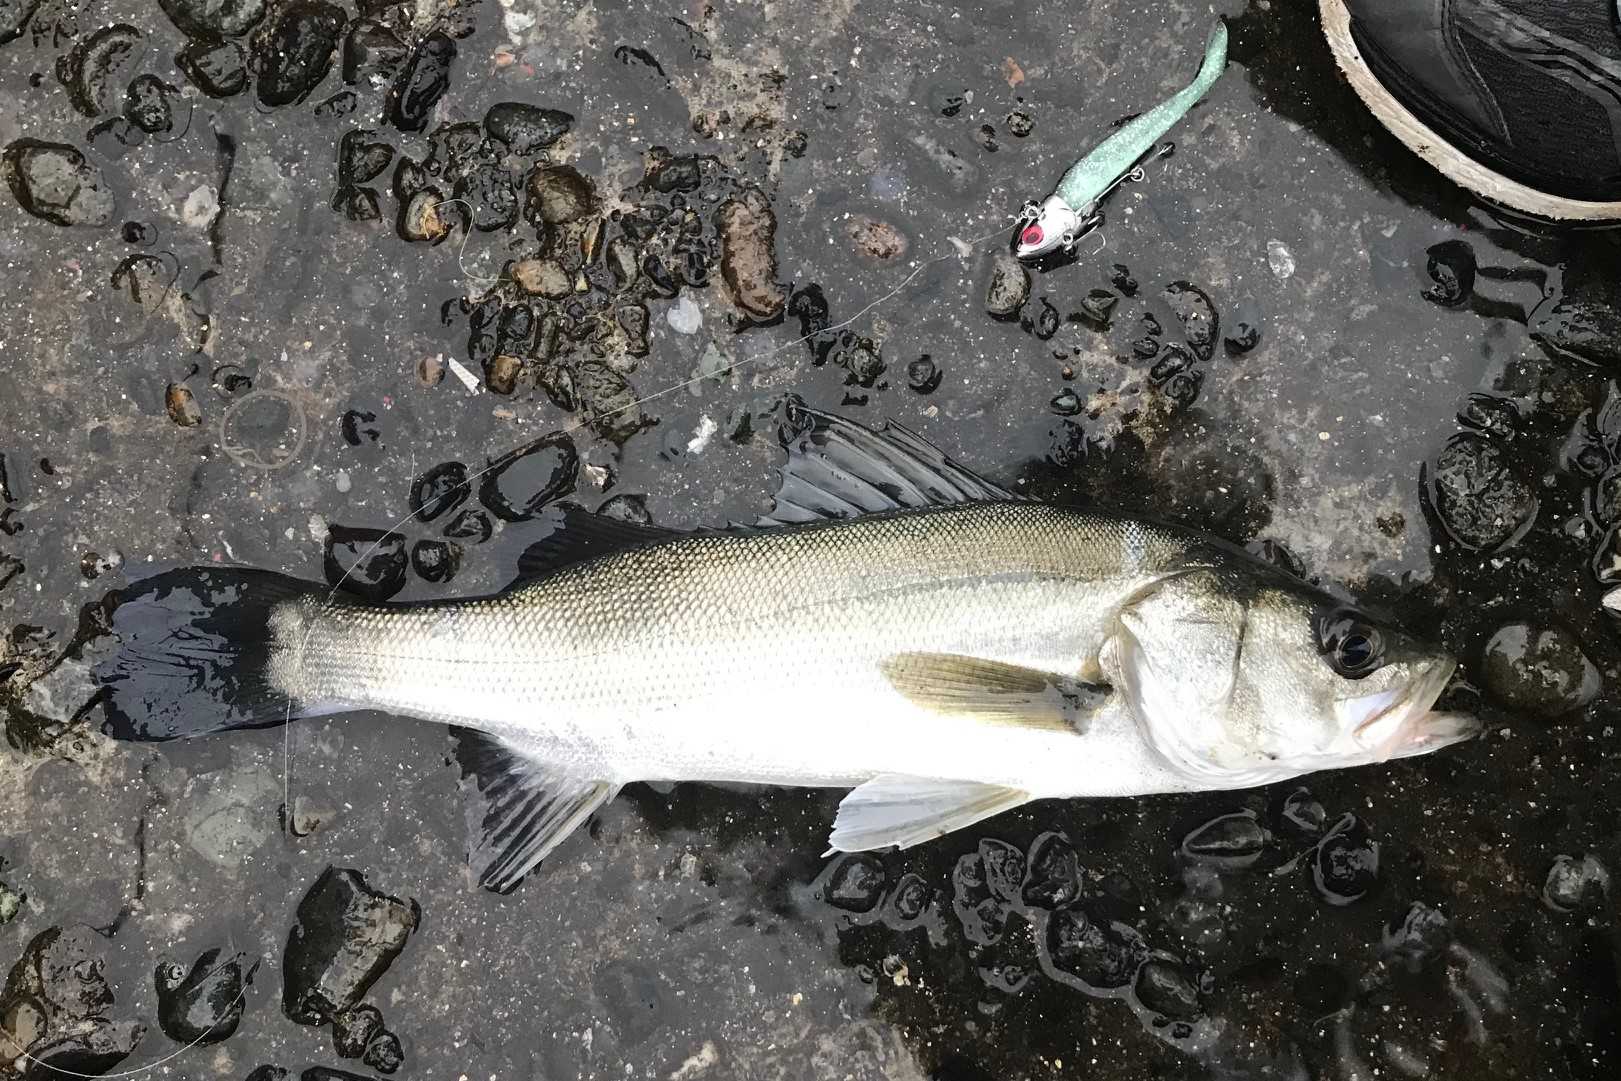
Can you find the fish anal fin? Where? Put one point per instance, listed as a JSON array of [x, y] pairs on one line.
[[579, 535], [993, 691], [893, 809], [837, 468], [518, 809]]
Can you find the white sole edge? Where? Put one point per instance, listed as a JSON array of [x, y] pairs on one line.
[[1421, 140]]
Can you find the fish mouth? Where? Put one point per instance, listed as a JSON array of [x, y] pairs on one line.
[[1401, 726]]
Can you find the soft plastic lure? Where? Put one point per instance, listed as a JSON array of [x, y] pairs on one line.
[[1071, 210]]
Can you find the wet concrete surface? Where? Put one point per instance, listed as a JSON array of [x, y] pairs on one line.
[[1308, 342]]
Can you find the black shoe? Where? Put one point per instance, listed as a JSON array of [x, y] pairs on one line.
[[1517, 100]]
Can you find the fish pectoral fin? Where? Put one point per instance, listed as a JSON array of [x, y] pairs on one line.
[[518, 809], [893, 809], [995, 692]]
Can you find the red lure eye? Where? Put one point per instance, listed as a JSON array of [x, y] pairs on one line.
[[1031, 236]]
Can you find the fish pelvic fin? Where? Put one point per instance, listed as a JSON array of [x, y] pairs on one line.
[[198, 649], [994, 692], [518, 808], [902, 811], [837, 468]]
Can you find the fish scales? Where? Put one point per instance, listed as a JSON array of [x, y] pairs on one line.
[[751, 656]]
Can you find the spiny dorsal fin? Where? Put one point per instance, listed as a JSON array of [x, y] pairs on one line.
[[518, 809], [578, 535], [994, 692], [892, 809], [838, 469]]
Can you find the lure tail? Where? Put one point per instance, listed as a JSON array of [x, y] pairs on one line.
[[1094, 174], [197, 652]]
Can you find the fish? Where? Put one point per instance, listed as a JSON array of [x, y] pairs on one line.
[[1071, 211], [897, 625]]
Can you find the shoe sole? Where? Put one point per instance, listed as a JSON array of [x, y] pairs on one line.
[[1457, 166]]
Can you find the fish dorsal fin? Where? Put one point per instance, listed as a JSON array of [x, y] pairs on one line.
[[892, 809], [838, 469], [518, 809], [579, 535], [994, 692]]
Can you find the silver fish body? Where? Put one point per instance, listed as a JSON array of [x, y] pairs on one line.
[[760, 656], [897, 625]]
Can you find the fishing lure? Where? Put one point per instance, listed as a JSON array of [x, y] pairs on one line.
[[1071, 211]]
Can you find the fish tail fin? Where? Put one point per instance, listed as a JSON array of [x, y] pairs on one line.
[[1215, 58], [199, 651]]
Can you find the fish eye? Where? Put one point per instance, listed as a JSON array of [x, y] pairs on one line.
[[1353, 647]]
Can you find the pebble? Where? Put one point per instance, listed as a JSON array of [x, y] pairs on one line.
[[205, 1004], [11, 903], [488, 188], [875, 238], [372, 53], [422, 217], [55, 182], [669, 174], [748, 259], [524, 129], [542, 278], [1572, 885], [1004, 868], [1020, 124], [346, 936], [1242, 336], [1303, 811], [435, 560], [911, 897], [684, 316], [501, 373], [983, 916], [1167, 988], [431, 371], [522, 482], [354, 1028], [627, 508], [384, 1053], [146, 104], [217, 68], [268, 1073], [1008, 288], [1066, 403], [214, 18], [1054, 876], [1230, 842], [1538, 668], [1587, 331], [1196, 312], [1046, 321], [369, 563], [1451, 267], [1480, 496], [202, 205], [1098, 305], [1280, 259], [622, 261], [182, 405], [361, 158], [1102, 957], [1345, 865], [557, 194], [1120, 277], [422, 82], [439, 490], [1491, 414], [923, 375], [470, 525], [299, 51], [856, 883]]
